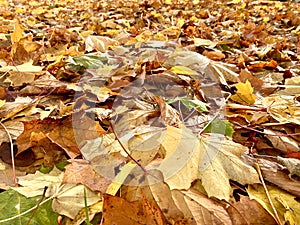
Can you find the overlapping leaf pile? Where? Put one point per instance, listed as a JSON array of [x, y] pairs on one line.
[[149, 112]]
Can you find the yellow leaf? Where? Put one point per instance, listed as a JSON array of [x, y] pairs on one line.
[[20, 10], [278, 5], [183, 70], [38, 11], [17, 34], [233, 2], [2, 102], [244, 94], [26, 67], [120, 178], [287, 207], [180, 22]]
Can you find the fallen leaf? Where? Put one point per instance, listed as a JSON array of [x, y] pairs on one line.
[[293, 165], [25, 67], [220, 161], [34, 184], [13, 205], [215, 55], [183, 70], [285, 204], [282, 108], [70, 199], [81, 172], [116, 211], [199, 209], [98, 43], [17, 34], [213, 159], [248, 211], [244, 94]]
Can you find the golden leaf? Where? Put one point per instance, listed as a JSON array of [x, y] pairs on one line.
[[244, 94]]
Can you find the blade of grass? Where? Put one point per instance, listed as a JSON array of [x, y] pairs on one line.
[[87, 220]]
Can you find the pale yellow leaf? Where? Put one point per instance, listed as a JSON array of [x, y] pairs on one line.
[[70, 199], [2, 102], [26, 67], [220, 161], [34, 184], [214, 160], [283, 108]]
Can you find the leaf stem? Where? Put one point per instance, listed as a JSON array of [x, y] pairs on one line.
[[123, 147], [37, 205], [268, 194]]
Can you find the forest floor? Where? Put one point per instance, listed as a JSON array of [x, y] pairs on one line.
[[149, 112]]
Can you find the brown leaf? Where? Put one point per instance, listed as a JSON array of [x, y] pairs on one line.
[[256, 83], [80, 171], [199, 209], [215, 55], [118, 211], [44, 149], [248, 211], [65, 133]]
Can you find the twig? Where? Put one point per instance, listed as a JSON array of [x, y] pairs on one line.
[[37, 205], [188, 116], [12, 154], [258, 131], [27, 211], [123, 147], [268, 194], [41, 203]]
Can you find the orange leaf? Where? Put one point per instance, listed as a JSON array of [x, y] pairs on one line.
[[118, 211]]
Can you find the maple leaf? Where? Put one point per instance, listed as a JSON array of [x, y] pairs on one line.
[[213, 159], [244, 94]]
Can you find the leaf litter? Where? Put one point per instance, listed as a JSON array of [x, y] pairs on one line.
[[159, 109]]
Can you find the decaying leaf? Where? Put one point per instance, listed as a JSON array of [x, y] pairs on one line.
[[138, 97], [119, 211], [80, 172], [248, 211]]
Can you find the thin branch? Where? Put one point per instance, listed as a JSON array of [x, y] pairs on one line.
[[123, 147], [268, 194], [41, 203], [37, 205], [258, 131]]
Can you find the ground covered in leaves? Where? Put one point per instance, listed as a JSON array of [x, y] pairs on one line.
[[149, 112]]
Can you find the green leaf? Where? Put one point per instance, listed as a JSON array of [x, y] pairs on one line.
[[220, 127], [190, 104], [88, 61], [45, 170], [13, 204], [61, 165]]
